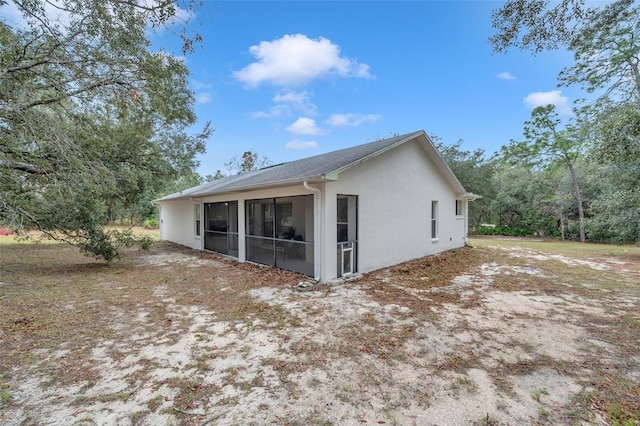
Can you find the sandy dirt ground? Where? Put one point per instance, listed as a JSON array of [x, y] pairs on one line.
[[470, 351]]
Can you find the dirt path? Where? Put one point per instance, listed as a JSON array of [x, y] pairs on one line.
[[508, 339]]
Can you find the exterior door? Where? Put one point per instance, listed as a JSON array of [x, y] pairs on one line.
[[347, 237], [232, 229], [221, 227]]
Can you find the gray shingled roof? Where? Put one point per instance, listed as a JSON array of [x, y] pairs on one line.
[[312, 169]]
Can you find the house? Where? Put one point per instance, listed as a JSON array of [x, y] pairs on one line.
[[329, 216]]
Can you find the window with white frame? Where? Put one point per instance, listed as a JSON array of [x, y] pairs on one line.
[[196, 216], [434, 220], [459, 211]]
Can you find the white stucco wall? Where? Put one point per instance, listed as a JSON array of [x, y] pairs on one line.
[[177, 223], [395, 191], [177, 217]]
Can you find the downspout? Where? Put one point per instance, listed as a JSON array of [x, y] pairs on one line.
[[317, 255], [466, 222], [201, 243]]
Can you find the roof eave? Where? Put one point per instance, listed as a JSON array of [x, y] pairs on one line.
[[277, 184], [470, 196], [334, 173]]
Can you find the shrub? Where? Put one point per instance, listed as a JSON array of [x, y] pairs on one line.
[[150, 223]]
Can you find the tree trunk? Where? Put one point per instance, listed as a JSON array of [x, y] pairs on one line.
[[576, 189]]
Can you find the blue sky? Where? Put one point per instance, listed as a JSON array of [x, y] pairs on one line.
[[292, 79]]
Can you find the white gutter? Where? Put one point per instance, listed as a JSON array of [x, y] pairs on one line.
[[318, 233]]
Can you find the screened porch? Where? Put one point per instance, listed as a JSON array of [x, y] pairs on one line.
[[279, 232]]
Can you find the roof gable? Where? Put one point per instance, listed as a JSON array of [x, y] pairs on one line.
[[320, 167]]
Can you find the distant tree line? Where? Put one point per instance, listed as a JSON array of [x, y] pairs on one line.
[[577, 178]]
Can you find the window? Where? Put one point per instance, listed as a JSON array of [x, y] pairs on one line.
[[343, 219], [434, 220], [196, 215], [459, 208]]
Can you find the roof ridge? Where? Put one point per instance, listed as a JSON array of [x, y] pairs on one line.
[[317, 167]]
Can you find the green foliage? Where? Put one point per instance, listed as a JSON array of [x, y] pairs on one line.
[[506, 231], [107, 245], [150, 223], [606, 45], [183, 182], [93, 123], [546, 146], [545, 141], [615, 134], [539, 25], [217, 176], [615, 204], [476, 174], [249, 161], [607, 53]]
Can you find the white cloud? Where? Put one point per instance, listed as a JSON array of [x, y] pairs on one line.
[[304, 126], [342, 120], [506, 76], [298, 101], [288, 102], [203, 98], [300, 144], [292, 97], [275, 111], [553, 97], [295, 60]]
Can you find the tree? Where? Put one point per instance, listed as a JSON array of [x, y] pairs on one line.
[[525, 200], [615, 202], [249, 161], [90, 118], [475, 172], [607, 54], [606, 45], [538, 25], [546, 143], [217, 176]]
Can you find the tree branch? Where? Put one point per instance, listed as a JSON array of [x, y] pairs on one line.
[[23, 167]]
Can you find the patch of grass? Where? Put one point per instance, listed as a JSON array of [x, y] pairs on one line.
[[384, 341], [618, 397], [487, 420], [5, 397], [138, 416], [527, 347], [565, 248], [463, 382], [54, 299], [542, 411], [314, 382], [458, 362], [155, 403], [538, 392], [387, 286], [190, 392]]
